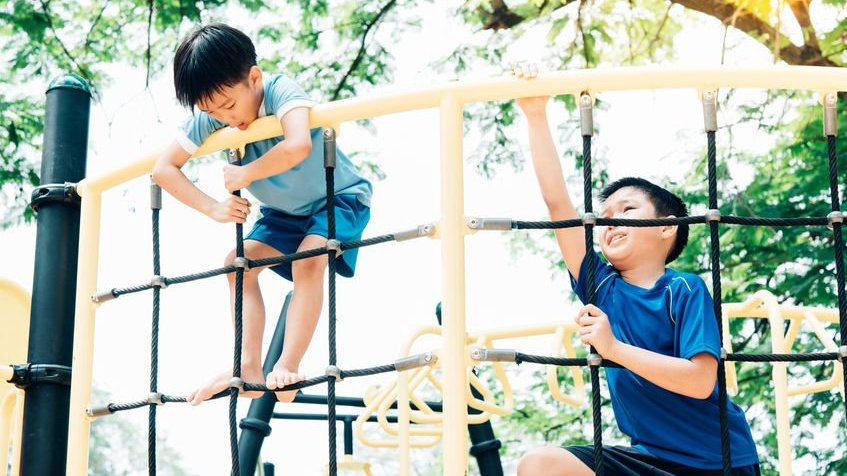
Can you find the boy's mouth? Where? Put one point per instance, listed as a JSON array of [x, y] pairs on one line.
[[614, 238], [242, 126]]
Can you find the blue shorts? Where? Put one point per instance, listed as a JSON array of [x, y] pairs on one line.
[[285, 232], [629, 461]]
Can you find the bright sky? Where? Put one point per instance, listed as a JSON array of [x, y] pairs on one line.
[[397, 285]]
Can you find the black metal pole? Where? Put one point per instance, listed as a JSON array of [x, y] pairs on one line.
[[255, 426], [45, 426]]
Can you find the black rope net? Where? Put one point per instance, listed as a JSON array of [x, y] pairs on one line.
[[712, 218]]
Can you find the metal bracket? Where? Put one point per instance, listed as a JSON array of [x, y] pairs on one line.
[[420, 231], [710, 110], [586, 114], [155, 398], [498, 224], [158, 281], [589, 219], [54, 193], [242, 263], [594, 360], [834, 217], [334, 371], [104, 296], [724, 353], [842, 353], [494, 355], [334, 245], [415, 361], [329, 148], [94, 412], [830, 114], [713, 215], [236, 382], [24, 375]]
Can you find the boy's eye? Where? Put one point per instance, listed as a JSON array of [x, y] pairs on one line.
[[626, 209], [230, 106]]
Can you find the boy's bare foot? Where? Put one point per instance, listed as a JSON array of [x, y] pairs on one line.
[[279, 377], [221, 382]]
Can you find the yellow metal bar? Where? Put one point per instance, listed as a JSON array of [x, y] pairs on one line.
[[83, 358], [453, 289], [6, 373], [780, 381], [103, 182], [403, 422], [17, 431], [7, 411]]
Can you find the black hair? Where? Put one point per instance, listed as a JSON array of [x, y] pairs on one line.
[[665, 202], [209, 59]]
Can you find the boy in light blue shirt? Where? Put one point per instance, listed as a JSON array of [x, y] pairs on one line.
[[215, 71], [657, 323]]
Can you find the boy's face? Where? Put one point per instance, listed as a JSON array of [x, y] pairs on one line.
[[237, 105], [627, 247]]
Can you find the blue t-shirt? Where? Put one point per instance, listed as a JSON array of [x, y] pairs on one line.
[[300, 190], [675, 317]]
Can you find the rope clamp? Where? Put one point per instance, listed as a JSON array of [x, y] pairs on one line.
[[159, 281], [24, 375], [830, 114], [55, 193], [415, 361], [713, 215], [589, 219], [155, 398], [94, 412], [241, 263], [155, 195], [494, 355], [334, 371], [842, 353], [710, 108], [103, 296], [334, 245], [498, 224], [834, 217], [586, 114], [236, 382], [420, 231], [724, 353], [594, 360]]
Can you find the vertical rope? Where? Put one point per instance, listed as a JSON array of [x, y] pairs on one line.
[[235, 157], [717, 299], [155, 206], [594, 371], [835, 203], [329, 162]]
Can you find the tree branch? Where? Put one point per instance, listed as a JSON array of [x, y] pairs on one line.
[[45, 8], [498, 16], [149, 27], [362, 47]]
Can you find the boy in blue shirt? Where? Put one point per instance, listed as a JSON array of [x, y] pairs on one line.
[[215, 71], [657, 323]]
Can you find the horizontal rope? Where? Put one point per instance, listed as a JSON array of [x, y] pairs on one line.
[[807, 357], [520, 358], [689, 220], [248, 387]]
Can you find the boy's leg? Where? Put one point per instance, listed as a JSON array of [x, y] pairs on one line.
[[303, 313], [253, 321], [552, 461]]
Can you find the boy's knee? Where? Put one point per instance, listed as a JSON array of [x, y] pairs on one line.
[[544, 461], [311, 268]]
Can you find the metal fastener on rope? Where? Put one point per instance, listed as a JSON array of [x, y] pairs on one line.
[[155, 195], [103, 296], [329, 148], [586, 114], [334, 245], [155, 398], [494, 355], [94, 412], [242, 263], [420, 231], [834, 217], [830, 114], [713, 215], [236, 382], [594, 360], [724, 353], [842, 353], [710, 111], [498, 224], [589, 219], [333, 371], [415, 361], [159, 281]]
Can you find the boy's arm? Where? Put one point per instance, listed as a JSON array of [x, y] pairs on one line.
[[282, 157], [693, 377], [548, 171], [167, 173]]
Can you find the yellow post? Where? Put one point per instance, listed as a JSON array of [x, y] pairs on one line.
[[83, 359], [15, 305], [403, 422], [780, 382], [453, 288]]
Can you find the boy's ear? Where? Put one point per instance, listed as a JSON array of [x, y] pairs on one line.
[[668, 231], [254, 76]]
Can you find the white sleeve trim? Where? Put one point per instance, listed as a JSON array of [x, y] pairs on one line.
[[187, 144], [294, 104]]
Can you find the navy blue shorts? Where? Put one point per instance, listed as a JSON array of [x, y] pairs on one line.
[[285, 232], [629, 461]]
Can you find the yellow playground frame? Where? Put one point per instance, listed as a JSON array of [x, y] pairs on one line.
[[455, 354]]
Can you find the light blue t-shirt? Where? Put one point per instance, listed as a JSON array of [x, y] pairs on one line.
[[675, 317], [300, 190]]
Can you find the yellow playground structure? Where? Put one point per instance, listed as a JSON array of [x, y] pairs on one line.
[[447, 367]]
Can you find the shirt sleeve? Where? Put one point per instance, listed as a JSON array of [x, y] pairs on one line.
[[195, 130], [285, 95], [580, 284], [697, 328]]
